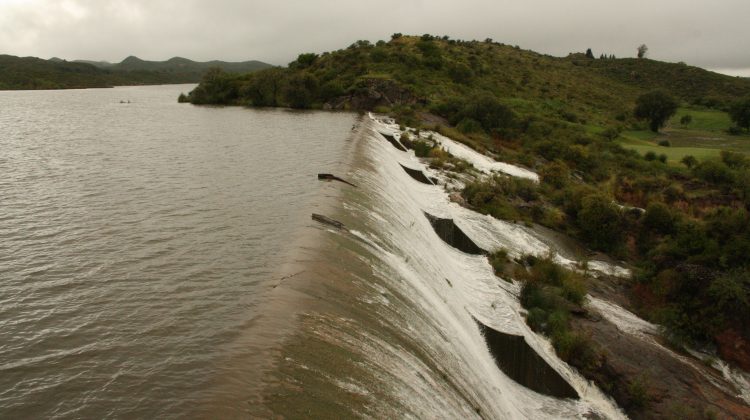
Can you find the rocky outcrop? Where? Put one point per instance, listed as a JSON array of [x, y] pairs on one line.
[[371, 93], [453, 235], [520, 362], [650, 382], [734, 348]]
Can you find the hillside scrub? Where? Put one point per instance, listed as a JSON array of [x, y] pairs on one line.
[[564, 118]]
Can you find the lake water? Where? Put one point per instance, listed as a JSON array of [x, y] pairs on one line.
[[136, 240]]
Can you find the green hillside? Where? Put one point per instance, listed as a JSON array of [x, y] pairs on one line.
[[35, 73], [572, 120], [434, 71]]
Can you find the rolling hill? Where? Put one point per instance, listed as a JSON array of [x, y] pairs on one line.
[[18, 73]]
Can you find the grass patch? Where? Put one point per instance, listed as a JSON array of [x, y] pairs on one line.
[[704, 137]]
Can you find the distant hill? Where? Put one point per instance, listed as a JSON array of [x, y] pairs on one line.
[[36, 73], [100, 64], [18, 73], [184, 65]]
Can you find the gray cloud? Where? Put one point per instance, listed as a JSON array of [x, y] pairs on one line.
[[706, 33]]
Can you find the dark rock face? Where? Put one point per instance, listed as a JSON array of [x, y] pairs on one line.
[[375, 92], [418, 175], [734, 348], [453, 235], [671, 387], [521, 363], [392, 140]]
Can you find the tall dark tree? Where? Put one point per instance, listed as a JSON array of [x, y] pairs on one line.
[[740, 113], [589, 53], [642, 50], [656, 107]]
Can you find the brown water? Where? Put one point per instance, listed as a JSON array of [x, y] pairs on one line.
[[138, 240]]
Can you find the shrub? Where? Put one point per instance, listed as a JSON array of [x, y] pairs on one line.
[[740, 113], [734, 160], [600, 222], [650, 156], [686, 119], [735, 131], [611, 133], [664, 143], [555, 174], [689, 161], [490, 113], [714, 171], [422, 148], [469, 125], [498, 261], [658, 218], [460, 73]]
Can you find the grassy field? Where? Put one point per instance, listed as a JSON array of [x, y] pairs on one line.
[[704, 138]]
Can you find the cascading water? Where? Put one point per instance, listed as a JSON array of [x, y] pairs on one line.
[[397, 332]]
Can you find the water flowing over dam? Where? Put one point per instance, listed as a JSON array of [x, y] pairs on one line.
[[389, 327]]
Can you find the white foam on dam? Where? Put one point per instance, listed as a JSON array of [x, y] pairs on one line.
[[442, 290]]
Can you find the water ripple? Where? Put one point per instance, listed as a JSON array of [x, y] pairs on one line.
[[135, 241]]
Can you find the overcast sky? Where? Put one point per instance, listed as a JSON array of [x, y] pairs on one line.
[[708, 33]]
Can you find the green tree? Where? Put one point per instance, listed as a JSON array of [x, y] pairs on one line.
[[686, 119], [589, 53], [740, 113], [301, 90], [490, 113], [304, 60], [656, 107], [642, 50], [264, 87]]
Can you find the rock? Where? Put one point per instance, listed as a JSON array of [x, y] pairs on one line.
[[734, 348], [374, 92]]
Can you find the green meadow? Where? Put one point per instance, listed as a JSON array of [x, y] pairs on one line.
[[703, 138]]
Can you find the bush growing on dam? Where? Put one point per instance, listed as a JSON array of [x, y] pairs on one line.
[[550, 293]]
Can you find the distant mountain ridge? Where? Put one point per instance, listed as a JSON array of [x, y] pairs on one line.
[[21, 73], [178, 64]]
